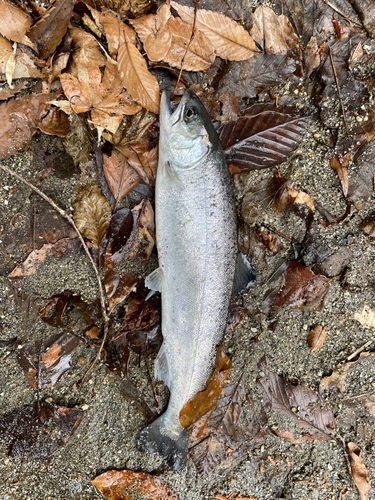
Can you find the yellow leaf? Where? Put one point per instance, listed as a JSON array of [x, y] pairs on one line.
[[231, 41], [138, 81]]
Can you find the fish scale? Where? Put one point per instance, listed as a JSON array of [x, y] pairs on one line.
[[196, 238]]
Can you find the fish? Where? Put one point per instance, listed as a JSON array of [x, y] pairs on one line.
[[196, 239]]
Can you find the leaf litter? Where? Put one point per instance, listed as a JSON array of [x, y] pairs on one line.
[[108, 92]]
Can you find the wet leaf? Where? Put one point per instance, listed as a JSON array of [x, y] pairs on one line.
[[19, 119], [343, 370], [92, 213], [222, 438], [140, 313], [44, 363], [116, 484], [302, 288], [360, 474], [119, 230], [14, 23], [37, 258], [115, 356], [309, 410], [36, 431], [231, 41], [235, 315], [142, 246], [120, 176], [205, 401], [136, 78], [316, 338], [270, 241], [273, 33], [118, 286], [261, 140], [48, 32], [366, 317], [67, 309], [366, 12]]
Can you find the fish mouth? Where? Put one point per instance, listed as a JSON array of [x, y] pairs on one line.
[[165, 107]]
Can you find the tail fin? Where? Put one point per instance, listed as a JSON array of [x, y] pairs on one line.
[[172, 447]]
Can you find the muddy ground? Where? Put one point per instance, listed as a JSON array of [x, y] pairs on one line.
[[105, 437]]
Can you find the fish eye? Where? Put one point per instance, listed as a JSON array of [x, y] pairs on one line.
[[190, 114]]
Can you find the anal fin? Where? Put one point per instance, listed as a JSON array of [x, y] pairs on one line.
[[161, 366], [244, 277], [154, 282]]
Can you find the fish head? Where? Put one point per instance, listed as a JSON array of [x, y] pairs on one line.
[[187, 135]]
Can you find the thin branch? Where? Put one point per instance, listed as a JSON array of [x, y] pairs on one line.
[[276, 232], [87, 251], [333, 7], [339, 92], [187, 47]]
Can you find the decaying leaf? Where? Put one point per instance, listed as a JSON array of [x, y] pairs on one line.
[[222, 438], [119, 285], [36, 431], [235, 315], [341, 172], [368, 225], [37, 258], [142, 246], [136, 78], [14, 23], [299, 402], [231, 41], [205, 401], [55, 122], [366, 317], [261, 140], [301, 287], [45, 363], [360, 474], [19, 119], [118, 484], [140, 313], [316, 338], [77, 143], [120, 176], [339, 374], [48, 32], [92, 213]]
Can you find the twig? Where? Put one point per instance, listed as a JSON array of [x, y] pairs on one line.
[[344, 446], [187, 47], [341, 13], [359, 350], [339, 92], [87, 251], [276, 232], [359, 396]]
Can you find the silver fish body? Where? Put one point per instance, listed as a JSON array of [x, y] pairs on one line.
[[196, 238]]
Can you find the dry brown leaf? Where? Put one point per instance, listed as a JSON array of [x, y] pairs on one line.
[[115, 485], [92, 213], [37, 258], [341, 172], [120, 176], [142, 247], [11, 66], [312, 58], [205, 401], [316, 338], [360, 474], [25, 64], [113, 28], [48, 32], [14, 23], [102, 95], [201, 53], [301, 198], [138, 81], [7, 93], [231, 41], [366, 317], [85, 53], [18, 122], [273, 33]]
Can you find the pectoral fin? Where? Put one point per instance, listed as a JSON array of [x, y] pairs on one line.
[[244, 277]]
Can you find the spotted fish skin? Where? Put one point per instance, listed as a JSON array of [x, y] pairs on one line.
[[196, 238]]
